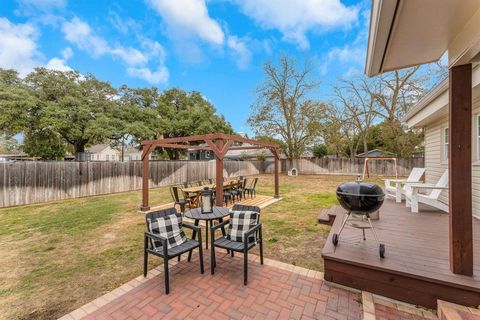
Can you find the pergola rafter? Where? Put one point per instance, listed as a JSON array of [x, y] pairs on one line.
[[219, 144]]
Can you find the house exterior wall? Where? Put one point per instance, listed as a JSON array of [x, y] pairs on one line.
[[107, 154], [435, 162]]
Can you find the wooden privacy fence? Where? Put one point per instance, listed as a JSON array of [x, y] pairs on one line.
[[351, 166], [35, 182]]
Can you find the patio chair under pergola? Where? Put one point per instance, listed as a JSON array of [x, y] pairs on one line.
[[219, 144]]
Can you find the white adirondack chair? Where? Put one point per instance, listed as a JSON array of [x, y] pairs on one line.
[[400, 186], [414, 198]]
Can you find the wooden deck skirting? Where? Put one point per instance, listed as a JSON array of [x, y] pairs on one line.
[[416, 265]]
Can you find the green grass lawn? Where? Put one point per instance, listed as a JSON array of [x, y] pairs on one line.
[[55, 257]]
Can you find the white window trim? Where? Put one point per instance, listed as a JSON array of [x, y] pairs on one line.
[[476, 136], [443, 146]]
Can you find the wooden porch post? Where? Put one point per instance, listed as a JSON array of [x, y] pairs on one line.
[[460, 170], [219, 173], [277, 170], [145, 177]]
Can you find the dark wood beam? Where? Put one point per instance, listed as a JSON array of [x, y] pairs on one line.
[[181, 146], [460, 170], [212, 137], [276, 154], [145, 177], [219, 173]]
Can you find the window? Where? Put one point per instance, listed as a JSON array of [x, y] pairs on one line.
[[478, 136], [107, 157], [445, 144]]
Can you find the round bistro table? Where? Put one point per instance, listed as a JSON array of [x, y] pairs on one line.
[[218, 214]]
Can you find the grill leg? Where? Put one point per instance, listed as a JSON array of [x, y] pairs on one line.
[[373, 229], [345, 219]]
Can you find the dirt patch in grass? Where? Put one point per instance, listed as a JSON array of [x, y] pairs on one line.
[[55, 257]]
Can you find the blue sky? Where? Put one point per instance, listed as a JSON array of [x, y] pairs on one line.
[[217, 47]]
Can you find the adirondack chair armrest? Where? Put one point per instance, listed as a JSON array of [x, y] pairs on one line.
[[427, 186], [396, 180]]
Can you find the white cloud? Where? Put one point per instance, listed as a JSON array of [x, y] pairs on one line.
[[67, 53], [79, 32], [154, 77], [295, 18], [137, 61], [44, 5], [18, 47], [34, 7], [58, 64], [189, 18], [240, 51]]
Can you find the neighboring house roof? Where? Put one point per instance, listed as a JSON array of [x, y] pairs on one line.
[[376, 153], [96, 148], [131, 150], [12, 154], [434, 105]]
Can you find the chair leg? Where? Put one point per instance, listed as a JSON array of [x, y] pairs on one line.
[[212, 255], [165, 271], [145, 263], [145, 257], [194, 234], [245, 267], [200, 253], [206, 233], [261, 246]]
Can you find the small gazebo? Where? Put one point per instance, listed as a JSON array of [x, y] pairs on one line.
[[219, 144]]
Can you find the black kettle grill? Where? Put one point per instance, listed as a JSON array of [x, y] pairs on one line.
[[360, 199]]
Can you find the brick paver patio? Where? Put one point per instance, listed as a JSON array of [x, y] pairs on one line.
[[274, 291]]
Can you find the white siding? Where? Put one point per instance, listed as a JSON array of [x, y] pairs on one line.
[[435, 164]]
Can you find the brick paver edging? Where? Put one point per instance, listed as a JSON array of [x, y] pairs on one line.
[[112, 295]]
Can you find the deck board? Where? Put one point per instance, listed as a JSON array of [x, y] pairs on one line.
[[416, 248]]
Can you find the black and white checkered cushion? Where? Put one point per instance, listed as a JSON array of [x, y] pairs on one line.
[[169, 227], [241, 222]]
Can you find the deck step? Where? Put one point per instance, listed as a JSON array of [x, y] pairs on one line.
[[452, 311], [327, 216]]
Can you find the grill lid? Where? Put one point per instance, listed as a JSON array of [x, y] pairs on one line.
[[364, 189]]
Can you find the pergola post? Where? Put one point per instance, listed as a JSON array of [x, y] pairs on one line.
[[219, 173], [145, 177], [277, 170], [460, 170]]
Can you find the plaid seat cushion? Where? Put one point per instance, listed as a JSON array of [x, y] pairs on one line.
[[241, 222], [169, 227]]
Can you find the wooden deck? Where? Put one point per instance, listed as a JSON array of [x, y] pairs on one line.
[[416, 265]]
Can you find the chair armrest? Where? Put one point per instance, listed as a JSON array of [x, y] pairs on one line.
[[217, 226], [252, 230], [427, 186], [156, 237], [396, 180], [191, 226]]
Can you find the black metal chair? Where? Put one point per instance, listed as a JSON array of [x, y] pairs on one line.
[[238, 191], [157, 245], [250, 190], [179, 198], [235, 246]]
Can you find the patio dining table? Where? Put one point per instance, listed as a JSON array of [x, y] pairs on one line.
[[218, 213], [197, 190]]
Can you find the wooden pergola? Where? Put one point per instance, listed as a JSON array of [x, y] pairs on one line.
[[219, 144]]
